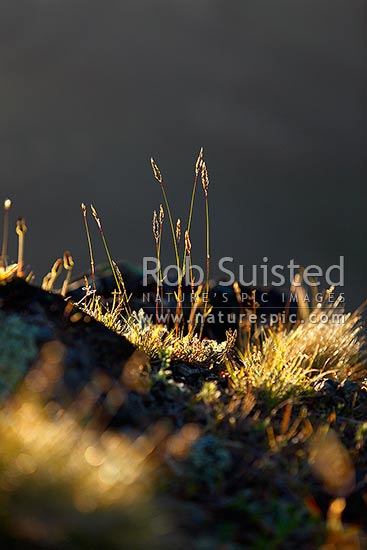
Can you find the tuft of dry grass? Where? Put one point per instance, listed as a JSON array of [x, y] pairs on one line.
[[157, 339], [150, 338], [292, 361]]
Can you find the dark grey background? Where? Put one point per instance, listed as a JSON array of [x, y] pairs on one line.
[[274, 90]]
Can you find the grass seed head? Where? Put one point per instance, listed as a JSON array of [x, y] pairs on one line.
[[178, 230], [96, 217], [187, 243], [155, 227], [156, 171], [21, 227], [68, 261], [161, 214], [57, 267], [204, 178], [199, 161], [7, 204]]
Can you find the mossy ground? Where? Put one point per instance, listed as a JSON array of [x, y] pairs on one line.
[[104, 445]]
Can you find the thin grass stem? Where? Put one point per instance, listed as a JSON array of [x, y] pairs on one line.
[[3, 259], [91, 257], [98, 221], [21, 229], [68, 266]]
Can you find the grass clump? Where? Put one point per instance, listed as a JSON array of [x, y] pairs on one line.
[[184, 341], [292, 362]]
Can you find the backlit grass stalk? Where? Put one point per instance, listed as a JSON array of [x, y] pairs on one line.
[[98, 221], [178, 311], [68, 266], [161, 220], [49, 279], [125, 298], [296, 289], [156, 234], [92, 265], [115, 271], [179, 286], [21, 229], [4, 262], [205, 184], [186, 252], [192, 283], [241, 325], [198, 302], [158, 177], [198, 167]]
